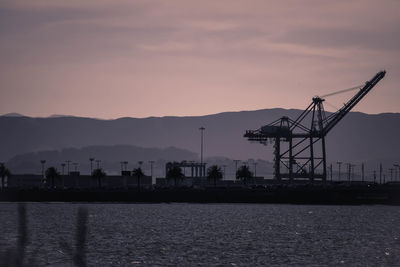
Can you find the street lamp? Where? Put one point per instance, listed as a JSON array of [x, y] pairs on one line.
[[340, 164], [201, 151], [397, 170], [236, 164], [68, 162], [151, 167], [91, 165], [255, 169], [43, 162], [75, 166], [63, 166]]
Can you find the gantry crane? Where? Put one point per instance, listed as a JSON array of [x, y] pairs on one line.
[[299, 151]]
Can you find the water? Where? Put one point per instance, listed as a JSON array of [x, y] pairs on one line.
[[211, 234]]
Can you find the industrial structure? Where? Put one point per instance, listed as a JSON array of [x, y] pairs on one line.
[[299, 150]]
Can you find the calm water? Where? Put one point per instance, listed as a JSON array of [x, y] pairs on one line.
[[212, 234]]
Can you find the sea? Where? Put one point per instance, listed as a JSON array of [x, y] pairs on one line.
[[180, 234]]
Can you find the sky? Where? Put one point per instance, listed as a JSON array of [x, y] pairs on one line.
[[110, 59]]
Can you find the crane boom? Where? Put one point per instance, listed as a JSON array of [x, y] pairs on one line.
[[352, 102], [295, 144]]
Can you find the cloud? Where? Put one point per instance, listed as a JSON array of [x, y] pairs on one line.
[[259, 53]]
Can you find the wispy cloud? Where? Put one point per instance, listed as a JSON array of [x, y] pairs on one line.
[[259, 53]]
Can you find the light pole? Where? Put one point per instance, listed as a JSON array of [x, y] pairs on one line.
[[43, 162], [348, 171], [75, 166], [397, 171], [151, 167], [331, 171], [362, 172], [255, 169], [201, 149], [68, 162], [126, 165], [98, 163], [236, 164], [340, 164], [391, 174], [63, 166], [91, 165], [224, 166]]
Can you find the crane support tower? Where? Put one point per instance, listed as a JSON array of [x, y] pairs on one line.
[[300, 151]]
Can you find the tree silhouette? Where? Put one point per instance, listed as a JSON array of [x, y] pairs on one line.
[[4, 172], [214, 173], [175, 173], [51, 174], [98, 174], [244, 174], [139, 174]]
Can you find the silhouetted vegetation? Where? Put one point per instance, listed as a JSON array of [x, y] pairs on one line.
[[214, 173], [244, 174], [175, 173], [139, 174], [4, 172], [98, 174], [51, 175]]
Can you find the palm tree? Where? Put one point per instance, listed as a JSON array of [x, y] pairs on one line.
[[4, 172], [139, 174], [244, 174], [175, 173], [214, 173], [98, 174], [51, 174]]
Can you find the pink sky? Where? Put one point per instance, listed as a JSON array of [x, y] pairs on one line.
[[110, 59]]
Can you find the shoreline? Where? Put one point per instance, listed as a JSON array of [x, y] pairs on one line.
[[307, 194]]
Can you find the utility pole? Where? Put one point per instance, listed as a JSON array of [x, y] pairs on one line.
[[43, 162], [331, 171], [380, 172], [348, 171], [374, 176], [62, 166], [201, 149], [255, 169], [68, 162], [236, 164], [340, 164], [391, 174], [362, 171], [397, 171], [76, 166], [91, 165], [151, 167]]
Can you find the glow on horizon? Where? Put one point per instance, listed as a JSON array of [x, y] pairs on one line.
[[139, 59]]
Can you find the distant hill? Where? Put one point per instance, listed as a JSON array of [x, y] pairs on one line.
[[110, 156], [12, 114], [358, 137]]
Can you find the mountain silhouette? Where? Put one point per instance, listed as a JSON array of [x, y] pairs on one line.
[[358, 137]]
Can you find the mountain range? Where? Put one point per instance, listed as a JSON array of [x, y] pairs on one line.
[[358, 137]]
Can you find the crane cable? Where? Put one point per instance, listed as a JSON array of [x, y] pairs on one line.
[[342, 91]]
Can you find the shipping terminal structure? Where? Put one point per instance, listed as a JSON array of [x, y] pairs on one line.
[[299, 145]]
